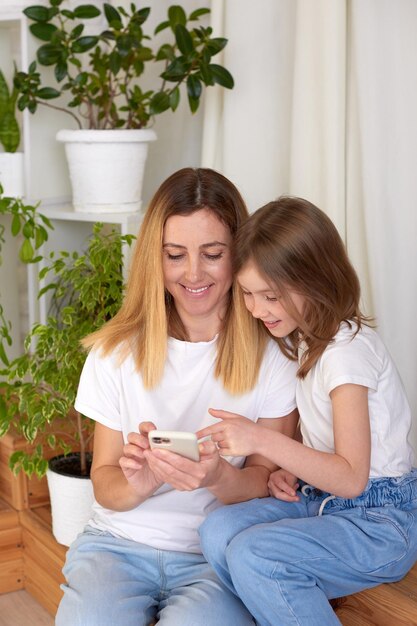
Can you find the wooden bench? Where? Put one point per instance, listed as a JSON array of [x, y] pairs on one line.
[[31, 558]]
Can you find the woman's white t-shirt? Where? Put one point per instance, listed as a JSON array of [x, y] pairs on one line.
[[360, 359], [113, 394]]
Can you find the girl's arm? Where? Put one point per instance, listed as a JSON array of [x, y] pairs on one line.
[[238, 485], [343, 473], [228, 483], [120, 475]]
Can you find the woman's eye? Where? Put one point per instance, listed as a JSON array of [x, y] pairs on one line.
[[175, 257], [271, 298], [246, 293], [214, 257]]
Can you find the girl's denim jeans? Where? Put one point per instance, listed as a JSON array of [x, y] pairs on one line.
[[285, 560]]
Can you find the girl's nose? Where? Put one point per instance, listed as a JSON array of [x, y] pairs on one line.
[[258, 309]]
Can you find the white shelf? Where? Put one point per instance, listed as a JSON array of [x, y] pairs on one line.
[[66, 212]]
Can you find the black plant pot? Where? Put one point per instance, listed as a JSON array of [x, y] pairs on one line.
[[70, 465]]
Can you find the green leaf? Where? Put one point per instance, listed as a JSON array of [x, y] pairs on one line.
[[61, 71], [183, 39], [195, 15], [83, 44], [124, 44], [49, 54], [194, 87], [161, 26], [47, 93], [43, 31], [26, 251], [112, 15], [4, 359], [222, 76], [37, 13], [159, 103], [9, 132], [174, 98], [15, 228], [216, 44], [86, 12], [176, 15]]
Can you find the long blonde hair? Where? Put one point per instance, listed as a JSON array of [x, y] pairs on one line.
[[148, 314], [296, 246]]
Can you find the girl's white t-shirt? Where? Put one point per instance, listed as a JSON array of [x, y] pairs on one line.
[[113, 394], [360, 359]]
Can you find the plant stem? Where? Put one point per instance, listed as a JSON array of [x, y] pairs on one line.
[[53, 106], [83, 459]]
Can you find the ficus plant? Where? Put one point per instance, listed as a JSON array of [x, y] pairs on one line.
[[40, 386], [100, 73], [31, 229]]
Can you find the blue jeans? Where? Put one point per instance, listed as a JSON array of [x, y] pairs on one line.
[[117, 582], [285, 560]]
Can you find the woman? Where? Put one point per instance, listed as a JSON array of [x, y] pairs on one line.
[[182, 342]]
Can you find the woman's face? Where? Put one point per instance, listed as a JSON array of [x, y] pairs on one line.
[[198, 270]]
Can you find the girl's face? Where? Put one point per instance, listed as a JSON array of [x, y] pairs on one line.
[[198, 270], [265, 303]]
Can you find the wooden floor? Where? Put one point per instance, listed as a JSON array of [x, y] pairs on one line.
[[20, 609]]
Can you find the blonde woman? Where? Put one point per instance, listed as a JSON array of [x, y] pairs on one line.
[[182, 342]]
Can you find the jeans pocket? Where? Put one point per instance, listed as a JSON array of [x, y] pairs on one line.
[[391, 530]]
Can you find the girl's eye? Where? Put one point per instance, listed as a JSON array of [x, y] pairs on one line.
[[246, 293], [272, 298], [213, 257]]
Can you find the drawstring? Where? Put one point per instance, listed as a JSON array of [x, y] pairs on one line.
[[306, 489], [323, 504]]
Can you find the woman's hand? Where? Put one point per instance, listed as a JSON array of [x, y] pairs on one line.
[[133, 462], [184, 474], [283, 485], [234, 435]]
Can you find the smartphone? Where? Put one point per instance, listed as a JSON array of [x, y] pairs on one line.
[[180, 442]]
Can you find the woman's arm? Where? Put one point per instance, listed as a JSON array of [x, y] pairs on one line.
[[121, 477], [343, 473]]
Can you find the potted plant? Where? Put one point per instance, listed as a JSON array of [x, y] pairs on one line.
[[11, 161], [41, 384], [101, 75]]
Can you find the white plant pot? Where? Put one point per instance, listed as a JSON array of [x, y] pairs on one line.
[[71, 501], [106, 168], [12, 174]]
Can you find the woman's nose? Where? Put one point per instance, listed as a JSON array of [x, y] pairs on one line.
[[193, 270]]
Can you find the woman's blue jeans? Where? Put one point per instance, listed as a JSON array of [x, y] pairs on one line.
[[285, 561], [117, 582]]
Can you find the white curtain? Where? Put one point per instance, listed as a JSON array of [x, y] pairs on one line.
[[325, 107]]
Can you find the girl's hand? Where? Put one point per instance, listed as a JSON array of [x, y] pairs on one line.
[[184, 474], [283, 485], [235, 435], [133, 462]]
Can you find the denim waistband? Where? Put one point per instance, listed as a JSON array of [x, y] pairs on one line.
[[378, 492]]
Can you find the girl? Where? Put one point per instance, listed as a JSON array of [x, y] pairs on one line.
[[182, 340], [353, 523]]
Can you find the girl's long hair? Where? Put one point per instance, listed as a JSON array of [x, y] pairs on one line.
[[148, 314], [296, 247]]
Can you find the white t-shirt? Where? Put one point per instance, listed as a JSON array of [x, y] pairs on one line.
[[114, 395], [361, 360]]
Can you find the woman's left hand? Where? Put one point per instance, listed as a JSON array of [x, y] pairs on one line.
[[182, 473]]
